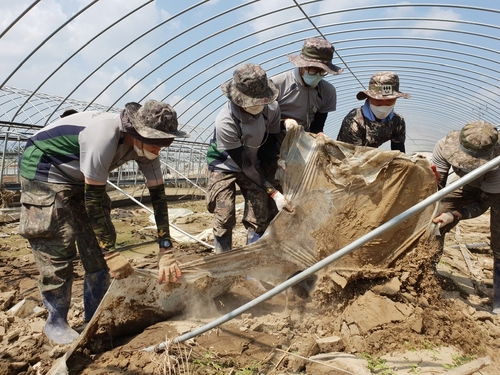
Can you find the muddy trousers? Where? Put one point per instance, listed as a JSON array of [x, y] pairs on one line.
[[54, 220], [221, 201]]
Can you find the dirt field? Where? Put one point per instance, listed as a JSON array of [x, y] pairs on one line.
[[403, 320]]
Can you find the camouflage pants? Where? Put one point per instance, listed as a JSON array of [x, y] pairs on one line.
[[467, 195], [54, 220], [221, 201]]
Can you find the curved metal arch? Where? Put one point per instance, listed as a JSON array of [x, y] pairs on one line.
[[246, 36], [451, 85], [196, 43], [46, 40], [456, 74], [349, 22], [427, 79], [209, 100], [399, 53], [413, 5], [420, 47], [76, 52], [126, 46], [206, 69], [18, 18], [215, 88]]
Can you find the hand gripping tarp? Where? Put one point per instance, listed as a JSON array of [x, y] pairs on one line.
[[339, 193]]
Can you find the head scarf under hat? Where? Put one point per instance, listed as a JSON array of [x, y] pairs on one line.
[[316, 52], [154, 122], [383, 85], [250, 87], [472, 146]]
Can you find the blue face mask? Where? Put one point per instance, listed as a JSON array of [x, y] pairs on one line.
[[311, 79]]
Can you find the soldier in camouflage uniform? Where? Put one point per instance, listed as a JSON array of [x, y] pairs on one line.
[[463, 151], [243, 124], [376, 122], [65, 208]]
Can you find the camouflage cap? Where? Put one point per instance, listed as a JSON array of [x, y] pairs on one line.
[[383, 85], [156, 122], [316, 52], [250, 87], [472, 146]]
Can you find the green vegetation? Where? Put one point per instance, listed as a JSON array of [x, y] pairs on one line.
[[377, 365], [458, 360]]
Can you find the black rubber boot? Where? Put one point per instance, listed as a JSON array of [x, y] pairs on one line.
[[223, 243], [95, 286], [57, 302], [496, 286]]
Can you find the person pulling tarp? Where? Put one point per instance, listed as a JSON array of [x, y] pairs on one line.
[[339, 192]]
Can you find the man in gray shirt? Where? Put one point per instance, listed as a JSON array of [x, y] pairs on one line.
[[246, 120], [65, 207], [303, 95]]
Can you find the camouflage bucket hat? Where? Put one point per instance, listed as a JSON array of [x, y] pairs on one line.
[[474, 145], [156, 122], [383, 85], [316, 52], [250, 87]]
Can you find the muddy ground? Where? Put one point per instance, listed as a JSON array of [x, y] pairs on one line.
[[404, 320]]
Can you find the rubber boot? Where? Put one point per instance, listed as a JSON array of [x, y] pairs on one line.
[[95, 286], [223, 243], [496, 286], [57, 302], [252, 236]]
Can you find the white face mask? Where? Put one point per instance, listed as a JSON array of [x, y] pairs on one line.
[[381, 111], [311, 79], [142, 152], [255, 109]]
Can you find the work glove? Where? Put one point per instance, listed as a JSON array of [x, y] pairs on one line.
[[168, 269], [289, 123], [281, 202], [118, 265], [444, 218]]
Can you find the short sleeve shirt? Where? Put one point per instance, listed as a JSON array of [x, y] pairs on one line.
[[489, 182], [87, 144], [358, 130], [301, 102], [235, 128]]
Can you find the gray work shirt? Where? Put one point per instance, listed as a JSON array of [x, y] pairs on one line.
[[300, 102], [235, 128]]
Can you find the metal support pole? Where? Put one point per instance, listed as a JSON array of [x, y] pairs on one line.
[[3, 157], [151, 211]]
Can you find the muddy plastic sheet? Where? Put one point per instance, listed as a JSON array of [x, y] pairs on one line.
[[339, 193]]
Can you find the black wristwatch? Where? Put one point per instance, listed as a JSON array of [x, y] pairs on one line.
[[165, 243]]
